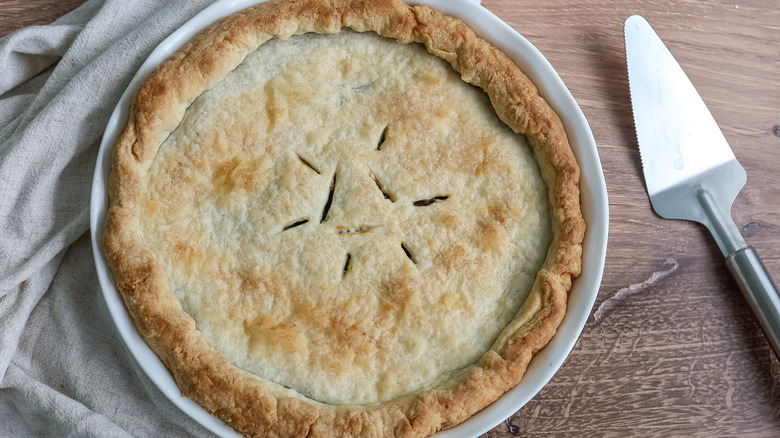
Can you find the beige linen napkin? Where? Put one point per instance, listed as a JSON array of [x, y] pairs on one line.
[[64, 371]]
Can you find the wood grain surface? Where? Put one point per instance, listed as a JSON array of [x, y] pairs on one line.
[[671, 348], [16, 14]]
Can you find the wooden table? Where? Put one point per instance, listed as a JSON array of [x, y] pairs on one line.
[[675, 351]]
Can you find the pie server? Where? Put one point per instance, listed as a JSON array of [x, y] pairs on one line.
[[690, 170]]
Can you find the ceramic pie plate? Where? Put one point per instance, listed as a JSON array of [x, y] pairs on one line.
[[593, 197]]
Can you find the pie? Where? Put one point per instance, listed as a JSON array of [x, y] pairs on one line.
[[343, 218]]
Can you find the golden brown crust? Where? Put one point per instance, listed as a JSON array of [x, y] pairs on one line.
[[205, 375]]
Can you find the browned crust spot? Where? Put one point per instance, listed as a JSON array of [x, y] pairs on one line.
[[202, 373]]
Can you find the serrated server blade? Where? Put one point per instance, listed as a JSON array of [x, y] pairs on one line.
[[689, 168], [690, 171], [678, 137]]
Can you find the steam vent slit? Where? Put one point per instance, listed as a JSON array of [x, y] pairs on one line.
[[382, 138], [330, 198], [408, 253], [295, 224], [308, 164], [347, 265], [386, 194], [357, 230], [429, 201]]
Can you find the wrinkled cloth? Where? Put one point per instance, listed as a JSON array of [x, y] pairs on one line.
[[64, 370]]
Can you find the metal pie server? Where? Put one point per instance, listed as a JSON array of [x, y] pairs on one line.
[[690, 170]]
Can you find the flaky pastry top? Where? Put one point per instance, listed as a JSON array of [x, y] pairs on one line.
[[322, 231]]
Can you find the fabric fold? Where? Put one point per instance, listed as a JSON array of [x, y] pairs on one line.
[[32, 50]]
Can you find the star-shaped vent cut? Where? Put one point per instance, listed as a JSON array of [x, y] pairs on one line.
[[345, 227]]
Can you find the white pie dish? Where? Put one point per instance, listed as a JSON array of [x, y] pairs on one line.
[[594, 209]]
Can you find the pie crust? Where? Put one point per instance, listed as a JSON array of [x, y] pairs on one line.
[[317, 263]]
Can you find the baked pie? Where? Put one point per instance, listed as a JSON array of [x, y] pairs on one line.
[[343, 218]]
